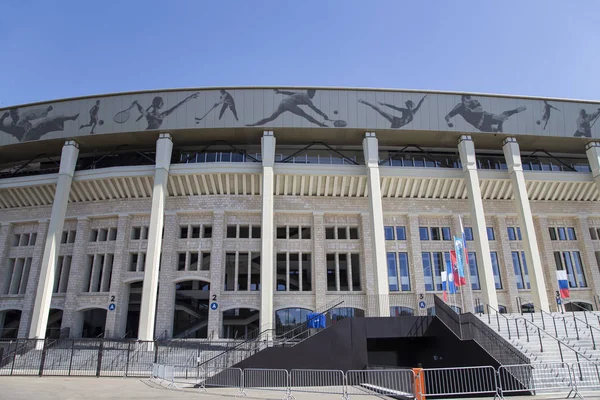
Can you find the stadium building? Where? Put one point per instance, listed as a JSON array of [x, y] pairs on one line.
[[214, 212]]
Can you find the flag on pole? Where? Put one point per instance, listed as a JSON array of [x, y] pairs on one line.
[[454, 268], [460, 261], [464, 240], [563, 284]]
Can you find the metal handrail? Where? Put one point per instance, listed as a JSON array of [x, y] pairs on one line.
[[577, 354], [542, 313], [498, 320], [585, 312]]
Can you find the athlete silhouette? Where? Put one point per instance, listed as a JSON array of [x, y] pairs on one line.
[[473, 113], [408, 113], [585, 123], [291, 103], [93, 117], [153, 115], [546, 115], [227, 101], [32, 124]]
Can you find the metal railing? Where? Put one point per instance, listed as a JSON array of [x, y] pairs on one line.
[[453, 382]]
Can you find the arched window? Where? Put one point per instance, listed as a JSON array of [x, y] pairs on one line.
[[240, 323], [345, 312], [288, 320]]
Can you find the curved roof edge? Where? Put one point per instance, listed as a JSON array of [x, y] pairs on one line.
[[429, 91]]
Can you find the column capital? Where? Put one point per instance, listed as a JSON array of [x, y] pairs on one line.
[[71, 143], [268, 133], [464, 137], [267, 146], [592, 145], [371, 149], [165, 135], [509, 140], [466, 150], [370, 134]]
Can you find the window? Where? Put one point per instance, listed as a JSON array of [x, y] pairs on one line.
[[24, 239], [593, 234], [423, 233], [232, 231], [474, 271], [294, 272], [399, 311], [432, 270], [133, 262], [552, 232], [244, 232], [207, 231], [242, 271], [112, 234], [490, 233], [195, 232], [389, 232], [398, 276], [446, 234], [520, 268], [468, 233], [183, 232], [94, 235], [400, 233], [140, 233], [496, 270], [435, 234], [61, 275], [514, 233], [562, 235], [255, 234], [68, 237], [342, 233], [16, 275], [293, 232], [571, 262], [98, 273], [571, 234], [193, 261], [343, 272]]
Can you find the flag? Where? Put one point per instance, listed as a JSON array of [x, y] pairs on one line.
[[464, 240], [448, 277], [454, 268], [444, 284], [460, 261], [563, 284]]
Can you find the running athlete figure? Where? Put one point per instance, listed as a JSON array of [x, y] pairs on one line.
[[153, 115], [33, 124], [585, 123], [408, 113], [546, 115], [472, 111], [93, 118], [291, 104]]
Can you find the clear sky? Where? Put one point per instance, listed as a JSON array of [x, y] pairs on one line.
[[57, 48]]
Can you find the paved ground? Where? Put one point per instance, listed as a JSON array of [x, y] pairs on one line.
[[59, 388]]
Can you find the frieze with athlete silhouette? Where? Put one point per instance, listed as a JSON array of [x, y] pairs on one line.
[[320, 108]]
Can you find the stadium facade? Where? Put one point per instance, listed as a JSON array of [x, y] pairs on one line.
[[212, 212]]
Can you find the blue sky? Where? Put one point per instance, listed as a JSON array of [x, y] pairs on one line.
[[57, 48]]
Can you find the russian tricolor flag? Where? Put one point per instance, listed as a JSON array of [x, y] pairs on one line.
[[563, 284]]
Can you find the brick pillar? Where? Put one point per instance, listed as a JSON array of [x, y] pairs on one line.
[[116, 317], [417, 278], [373, 298], [319, 260], [166, 290], [71, 317], [588, 256], [507, 271], [32, 283], [217, 263]]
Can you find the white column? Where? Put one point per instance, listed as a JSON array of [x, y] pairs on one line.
[[267, 274], [466, 150], [592, 150], [41, 307], [371, 152], [164, 147], [536, 274]]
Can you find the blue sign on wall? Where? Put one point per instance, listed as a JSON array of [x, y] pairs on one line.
[[112, 306], [422, 304], [214, 306]]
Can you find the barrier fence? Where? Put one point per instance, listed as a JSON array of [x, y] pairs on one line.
[[483, 381]]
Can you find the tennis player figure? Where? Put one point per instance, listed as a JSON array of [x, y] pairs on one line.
[[408, 113], [33, 124], [153, 115], [546, 115], [472, 111], [93, 117], [292, 103], [585, 122]]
